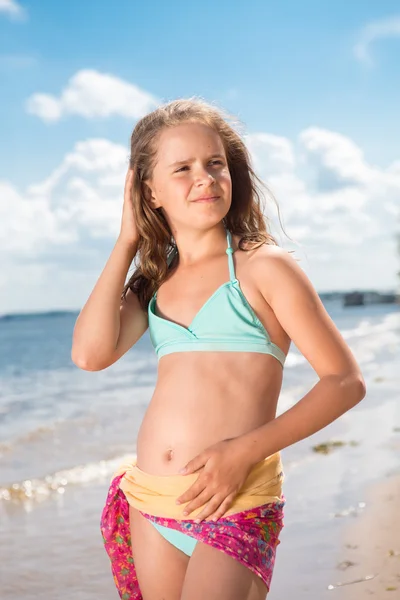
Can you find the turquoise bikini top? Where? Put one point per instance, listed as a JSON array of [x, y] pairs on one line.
[[226, 322]]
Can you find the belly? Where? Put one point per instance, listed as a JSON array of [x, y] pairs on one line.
[[201, 399]]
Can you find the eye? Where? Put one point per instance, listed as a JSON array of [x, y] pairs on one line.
[[212, 162]]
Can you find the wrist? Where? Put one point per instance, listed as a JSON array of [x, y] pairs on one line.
[[250, 447], [128, 244]]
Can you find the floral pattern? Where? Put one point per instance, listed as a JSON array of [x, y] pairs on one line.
[[251, 537]]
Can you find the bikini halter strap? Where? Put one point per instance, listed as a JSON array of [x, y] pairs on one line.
[[229, 252]]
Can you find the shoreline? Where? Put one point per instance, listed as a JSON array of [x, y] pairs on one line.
[[371, 546]]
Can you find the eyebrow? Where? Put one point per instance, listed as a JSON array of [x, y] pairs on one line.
[[190, 160]]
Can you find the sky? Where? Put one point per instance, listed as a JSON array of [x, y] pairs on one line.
[[315, 85]]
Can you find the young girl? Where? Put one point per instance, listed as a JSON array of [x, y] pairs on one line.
[[222, 302]]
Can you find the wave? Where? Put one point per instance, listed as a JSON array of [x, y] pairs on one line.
[[39, 489]]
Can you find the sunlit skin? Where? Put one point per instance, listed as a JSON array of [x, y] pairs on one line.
[[229, 393], [202, 399], [191, 163]]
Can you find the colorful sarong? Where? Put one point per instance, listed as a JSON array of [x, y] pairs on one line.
[[248, 531]]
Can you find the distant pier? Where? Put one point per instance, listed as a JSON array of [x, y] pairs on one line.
[[358, 298]]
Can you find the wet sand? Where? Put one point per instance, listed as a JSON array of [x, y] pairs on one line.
[[345, 505], [372, 546]]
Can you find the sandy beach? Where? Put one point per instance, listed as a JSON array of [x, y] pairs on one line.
[[371, 546], [342, 514]]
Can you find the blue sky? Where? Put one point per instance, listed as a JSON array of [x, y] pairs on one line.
[[315, 84]]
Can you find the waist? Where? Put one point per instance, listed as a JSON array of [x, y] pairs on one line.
[[156, 494]]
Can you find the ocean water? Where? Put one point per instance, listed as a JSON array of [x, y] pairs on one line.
[[64, 431]]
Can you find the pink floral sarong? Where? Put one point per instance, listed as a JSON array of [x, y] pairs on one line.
[[251, 537]]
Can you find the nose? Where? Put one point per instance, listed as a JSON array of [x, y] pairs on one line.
[[203, 176]]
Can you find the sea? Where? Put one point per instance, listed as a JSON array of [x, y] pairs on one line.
[[64, 431]]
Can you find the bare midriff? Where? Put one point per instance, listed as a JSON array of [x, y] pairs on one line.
[[202, 398]]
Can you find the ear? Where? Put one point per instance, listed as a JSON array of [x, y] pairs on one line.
[[149, 195]]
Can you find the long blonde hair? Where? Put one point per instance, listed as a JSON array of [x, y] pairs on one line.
[[156, 244]]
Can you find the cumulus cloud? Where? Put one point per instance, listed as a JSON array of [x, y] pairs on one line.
[[376, 30], [81, 199], [28, 226], [91, 94], [84, 193], [278, 151], [342, 210], [338, 162], [12, 9]]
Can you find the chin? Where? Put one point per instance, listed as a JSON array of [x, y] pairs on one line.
[[211, 220]]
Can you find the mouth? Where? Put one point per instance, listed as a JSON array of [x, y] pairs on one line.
[[207, 199]]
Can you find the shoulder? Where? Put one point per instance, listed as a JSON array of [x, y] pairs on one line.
[[299, 309], [269, 263], [277, 271]]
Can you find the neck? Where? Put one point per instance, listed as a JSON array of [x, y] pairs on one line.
[[195, 246]]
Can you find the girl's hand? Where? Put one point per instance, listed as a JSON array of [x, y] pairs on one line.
[[224, 468], [128, 231]]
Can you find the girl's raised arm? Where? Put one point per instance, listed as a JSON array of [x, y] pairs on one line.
[[106, 326]]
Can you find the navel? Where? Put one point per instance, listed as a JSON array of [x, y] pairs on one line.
[[169, 454]]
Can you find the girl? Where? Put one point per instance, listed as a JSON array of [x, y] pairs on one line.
[[222, 302]]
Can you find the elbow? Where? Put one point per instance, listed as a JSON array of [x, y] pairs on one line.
[[358, 388], [350, 387], [86, 363], [363, 388]]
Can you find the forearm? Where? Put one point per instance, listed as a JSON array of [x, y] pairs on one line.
[[97, 327], [331, 397]]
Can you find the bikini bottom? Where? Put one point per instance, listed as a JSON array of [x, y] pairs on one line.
[[248, 531]]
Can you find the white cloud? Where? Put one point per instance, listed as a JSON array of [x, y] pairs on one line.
[[343, 211], [91, 94], [278, 151], [75, 201], [62, 229], [85, 191], [337, 160], [376, 30], [12, 9], [26, 224]]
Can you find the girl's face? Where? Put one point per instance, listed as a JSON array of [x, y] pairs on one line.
[[191, 164]]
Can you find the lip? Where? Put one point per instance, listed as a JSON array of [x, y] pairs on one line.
[[207, 199]]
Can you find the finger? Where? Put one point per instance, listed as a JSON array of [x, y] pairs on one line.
[[196, 488], [193, 465], [211, 508], [190, 493], [201, 499], [128, 184], [221, 510]]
